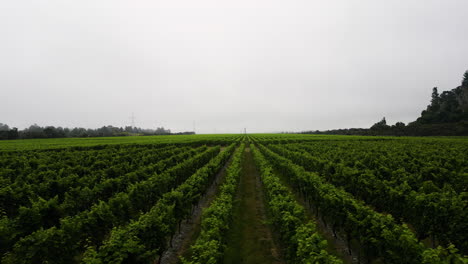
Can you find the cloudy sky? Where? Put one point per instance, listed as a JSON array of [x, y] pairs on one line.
[[224, 65]]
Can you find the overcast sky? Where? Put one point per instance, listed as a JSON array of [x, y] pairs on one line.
[[224, 65]]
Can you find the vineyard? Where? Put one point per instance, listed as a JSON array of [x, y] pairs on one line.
[[262, 198]]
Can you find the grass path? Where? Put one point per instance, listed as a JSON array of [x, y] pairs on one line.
[[250, 239]]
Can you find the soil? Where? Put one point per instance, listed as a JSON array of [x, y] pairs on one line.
[[250, 239]]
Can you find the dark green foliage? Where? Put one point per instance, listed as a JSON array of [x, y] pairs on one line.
[[448, 107], [210, 244], [447, 115], [381, 125], [301, 242], [145, 239], [412, 182], [465, 79], [35, 131], [7, 133], [380, 236], [70, 234], [122, 203], [443, 109]]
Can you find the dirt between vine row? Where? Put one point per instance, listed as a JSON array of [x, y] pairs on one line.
[[336, 245], [250, 239], [184, 238]]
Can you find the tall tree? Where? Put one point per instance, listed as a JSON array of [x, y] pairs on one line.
[[435, 101], [465, 79]]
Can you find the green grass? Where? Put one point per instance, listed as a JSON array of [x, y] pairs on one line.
[[51, 143], [31, 144]]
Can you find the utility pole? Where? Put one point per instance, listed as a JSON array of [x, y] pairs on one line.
[[245, 131], [132, 118]]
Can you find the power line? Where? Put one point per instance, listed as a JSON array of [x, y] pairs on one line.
[[132, 118]]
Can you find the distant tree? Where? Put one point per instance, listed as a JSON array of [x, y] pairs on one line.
[[4, 131], [81, 132], [162, 131], [435, 101], [36, 131], [4, 127], [8, 133], [465, 79], [33, 131], [382, 124], [52, 132], [435, 94], [383, 121], [400, 124], [398, 129], [447, 114], [449, 108], [13, 133]]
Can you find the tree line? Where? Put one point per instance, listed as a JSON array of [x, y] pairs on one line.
[[36, 131], [446, 115]]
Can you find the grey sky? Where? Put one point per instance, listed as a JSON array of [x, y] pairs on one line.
[[225, 65]]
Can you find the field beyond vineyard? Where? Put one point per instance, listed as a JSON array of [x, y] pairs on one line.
[[255, 198]]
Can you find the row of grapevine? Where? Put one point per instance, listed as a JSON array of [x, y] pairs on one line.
[[147, 238], [79, 144], [216, 219], [48, 181], [47, 213], [65, 242], [379, 236], [442, 164], [438, 213], [21, 164], [102, 201], [301, 242]]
